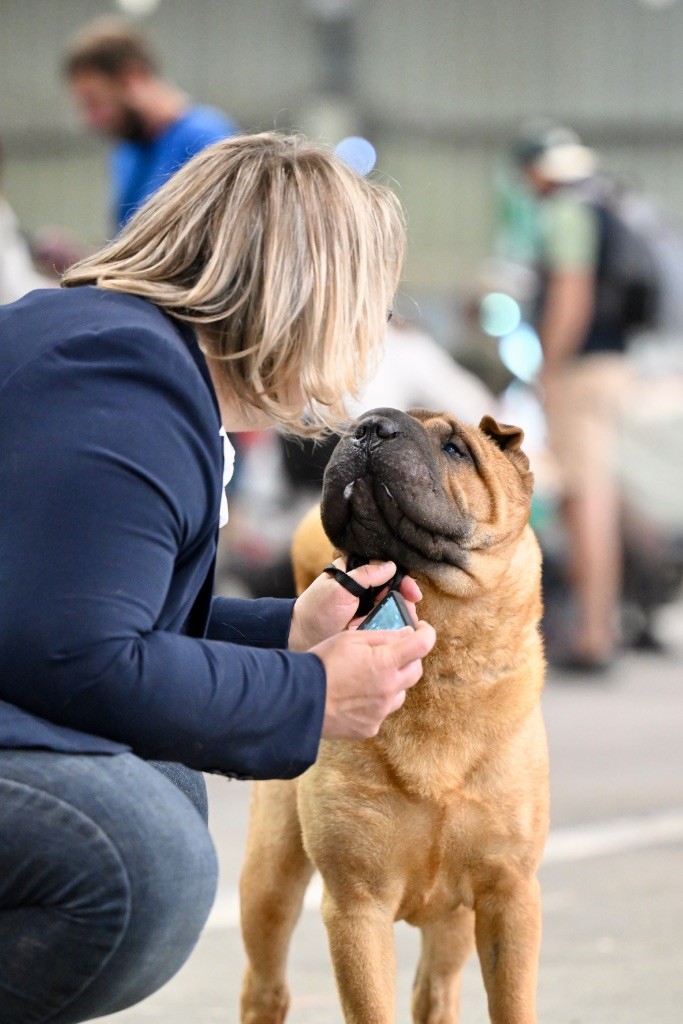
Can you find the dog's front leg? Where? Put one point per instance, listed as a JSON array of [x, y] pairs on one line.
[[446, 945], [361, 937], [508, 935], [274, 877]]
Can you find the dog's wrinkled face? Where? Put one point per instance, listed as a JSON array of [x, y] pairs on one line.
[[425, 490]]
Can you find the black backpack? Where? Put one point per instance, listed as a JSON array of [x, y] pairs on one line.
[[640, 261], [628, 282]]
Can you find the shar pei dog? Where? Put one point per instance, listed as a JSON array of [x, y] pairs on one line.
[[440, 820]]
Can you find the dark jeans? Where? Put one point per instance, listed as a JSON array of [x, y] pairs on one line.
[[107, 876]]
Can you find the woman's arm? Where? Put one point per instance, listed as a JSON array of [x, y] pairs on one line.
[[256, 622], [106, 487]]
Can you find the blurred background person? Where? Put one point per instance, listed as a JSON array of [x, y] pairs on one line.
[[564, 211], [115, 79], [585, 378]]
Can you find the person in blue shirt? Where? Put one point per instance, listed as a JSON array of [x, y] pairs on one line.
[[250, 290], [115, 80]]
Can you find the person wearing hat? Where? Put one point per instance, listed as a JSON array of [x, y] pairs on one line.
[[584, 378]]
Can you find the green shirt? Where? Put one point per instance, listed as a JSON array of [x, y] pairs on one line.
[[570, 234]]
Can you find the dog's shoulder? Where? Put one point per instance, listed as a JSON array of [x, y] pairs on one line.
[[311, 549]]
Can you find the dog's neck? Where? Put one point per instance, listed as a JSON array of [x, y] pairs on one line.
[[481, 682], [490, 612]]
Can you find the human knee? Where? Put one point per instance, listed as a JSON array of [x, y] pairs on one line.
[[172, 884], [109, 873]]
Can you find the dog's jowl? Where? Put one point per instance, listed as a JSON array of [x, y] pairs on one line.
[[441, 819]]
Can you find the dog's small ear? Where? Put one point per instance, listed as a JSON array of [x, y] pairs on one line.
[[509, 440], [507, 437]]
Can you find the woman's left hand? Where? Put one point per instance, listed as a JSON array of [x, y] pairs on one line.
[[326, 608]]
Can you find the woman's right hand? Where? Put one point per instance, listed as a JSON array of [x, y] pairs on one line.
[[368, 673]]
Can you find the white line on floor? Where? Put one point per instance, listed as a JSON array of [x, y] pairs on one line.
[[565, 845], [601, 838]]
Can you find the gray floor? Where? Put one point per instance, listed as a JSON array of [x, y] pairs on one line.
[[612, 880]]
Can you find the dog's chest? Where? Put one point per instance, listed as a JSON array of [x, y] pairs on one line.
[[441, 855], [428, 771], [435, 743]]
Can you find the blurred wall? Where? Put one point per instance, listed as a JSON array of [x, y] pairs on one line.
[[439, 85]]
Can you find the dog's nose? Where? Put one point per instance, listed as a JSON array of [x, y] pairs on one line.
[[376, 428]]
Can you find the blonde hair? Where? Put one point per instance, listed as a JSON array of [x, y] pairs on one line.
[[285, 260]]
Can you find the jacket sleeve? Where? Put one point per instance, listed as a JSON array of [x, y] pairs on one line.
[[260, 622], [106, 473]]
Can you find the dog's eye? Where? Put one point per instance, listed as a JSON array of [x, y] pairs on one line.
[[456, 448]]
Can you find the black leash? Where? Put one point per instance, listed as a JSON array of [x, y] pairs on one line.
[[366, 595]]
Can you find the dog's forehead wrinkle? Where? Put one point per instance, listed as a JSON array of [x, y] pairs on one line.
[[436, 420], [446, 426]]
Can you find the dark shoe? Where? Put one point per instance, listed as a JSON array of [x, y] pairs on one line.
[[580, 664], [646, 641]]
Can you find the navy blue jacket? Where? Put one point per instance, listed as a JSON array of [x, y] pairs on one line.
[[110, 486]]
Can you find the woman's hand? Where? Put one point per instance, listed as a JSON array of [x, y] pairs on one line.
[[367, 675], [326, 608]]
